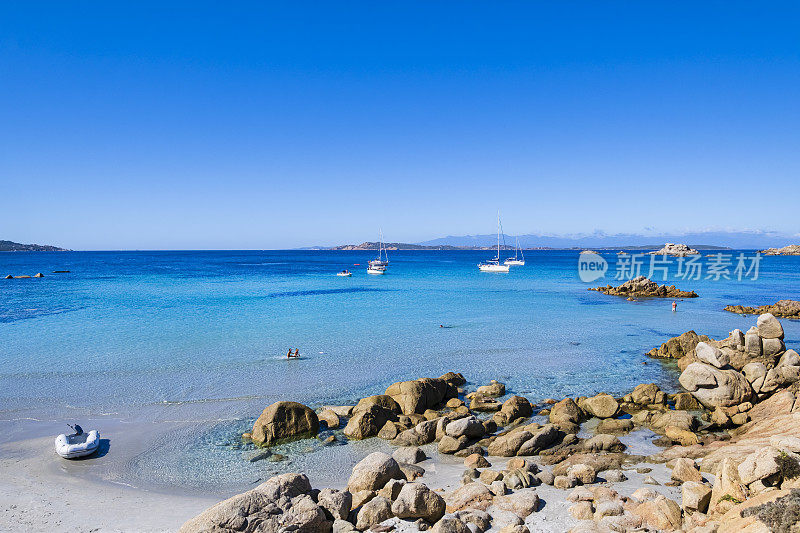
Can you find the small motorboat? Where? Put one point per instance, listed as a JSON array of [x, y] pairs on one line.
[[344, 273], [78, 444]]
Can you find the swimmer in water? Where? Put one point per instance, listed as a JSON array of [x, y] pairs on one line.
[[674, 306]]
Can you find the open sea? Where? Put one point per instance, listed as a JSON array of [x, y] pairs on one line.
[[200, 338]]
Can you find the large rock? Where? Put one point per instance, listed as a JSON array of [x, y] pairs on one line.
[[566, 414], [602, 406], [541, 439], [712, 355], [373, 512], [646, 394], [418, 501], [421, 394], [686, 469], [337, 503], [451, 445], [507, 445], [762, 464], [373, 472], [468, 426], [280, 502], [781, 308], [521, 503], [470, 496], [695, 496], [513, 408], [728, 487], [409, 455], [644, 287], [450, 524], [284, 421], [752, 343], [678, 347], [494, 389], [769, 327], [382, 400], [368, 422], [714, 387], [660, 513]]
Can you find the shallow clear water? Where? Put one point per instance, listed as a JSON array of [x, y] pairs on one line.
[[202, 336]]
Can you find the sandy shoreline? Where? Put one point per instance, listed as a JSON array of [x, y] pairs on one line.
[[41, 492]]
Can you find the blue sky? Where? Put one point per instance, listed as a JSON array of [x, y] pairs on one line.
[[195, 125]]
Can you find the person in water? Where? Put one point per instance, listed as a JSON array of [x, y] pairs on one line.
[[674, 306]]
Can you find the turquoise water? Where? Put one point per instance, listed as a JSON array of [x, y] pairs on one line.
[[202, 336], [150, 327]]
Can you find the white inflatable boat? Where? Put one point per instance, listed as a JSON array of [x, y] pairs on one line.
[[77, 444]]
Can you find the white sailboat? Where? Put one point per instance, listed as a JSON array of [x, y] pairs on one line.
[[519, 257], [494, 265], [379, 265]]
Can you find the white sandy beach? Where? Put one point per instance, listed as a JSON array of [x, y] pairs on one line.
[[40, 491], [43, 492]]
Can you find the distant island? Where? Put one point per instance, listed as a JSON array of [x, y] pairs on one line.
[[9, 246], [792, 249], [407, 246]]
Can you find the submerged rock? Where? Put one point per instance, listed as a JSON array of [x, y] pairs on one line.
[[284, 421]]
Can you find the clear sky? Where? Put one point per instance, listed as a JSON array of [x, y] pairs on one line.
[[225, 125]]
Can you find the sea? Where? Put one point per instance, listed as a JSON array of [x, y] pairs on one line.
[[199, 338]]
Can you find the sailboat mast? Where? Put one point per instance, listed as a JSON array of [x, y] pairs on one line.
[[498, 235]]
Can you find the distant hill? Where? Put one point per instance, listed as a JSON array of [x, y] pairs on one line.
[[710, 240], [8, 246], [407, 246]]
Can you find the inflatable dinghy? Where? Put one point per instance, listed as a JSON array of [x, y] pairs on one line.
[[77, 444]]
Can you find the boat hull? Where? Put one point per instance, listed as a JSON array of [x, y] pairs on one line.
[[515, 262], [494, 268], [376, 271]]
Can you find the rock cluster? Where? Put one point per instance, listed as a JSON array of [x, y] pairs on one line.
[[741, 368], [642, 287], [677, 250], [781, 309], [282, 421], [792, 249], [744, 384], [379, 498]]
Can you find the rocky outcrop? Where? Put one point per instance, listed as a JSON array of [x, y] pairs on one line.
[[678, 347], [419, 395], [602, 405], [642, 287], [368, 421], [714, 387], [283, 421], [781, 309], [676, 250], [281, 502], [416, 500], [373, 472], [514, 408], [792, 249]]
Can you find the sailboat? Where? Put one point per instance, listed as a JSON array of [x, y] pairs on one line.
[[493, 265], [519, 257], [379, 265]]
